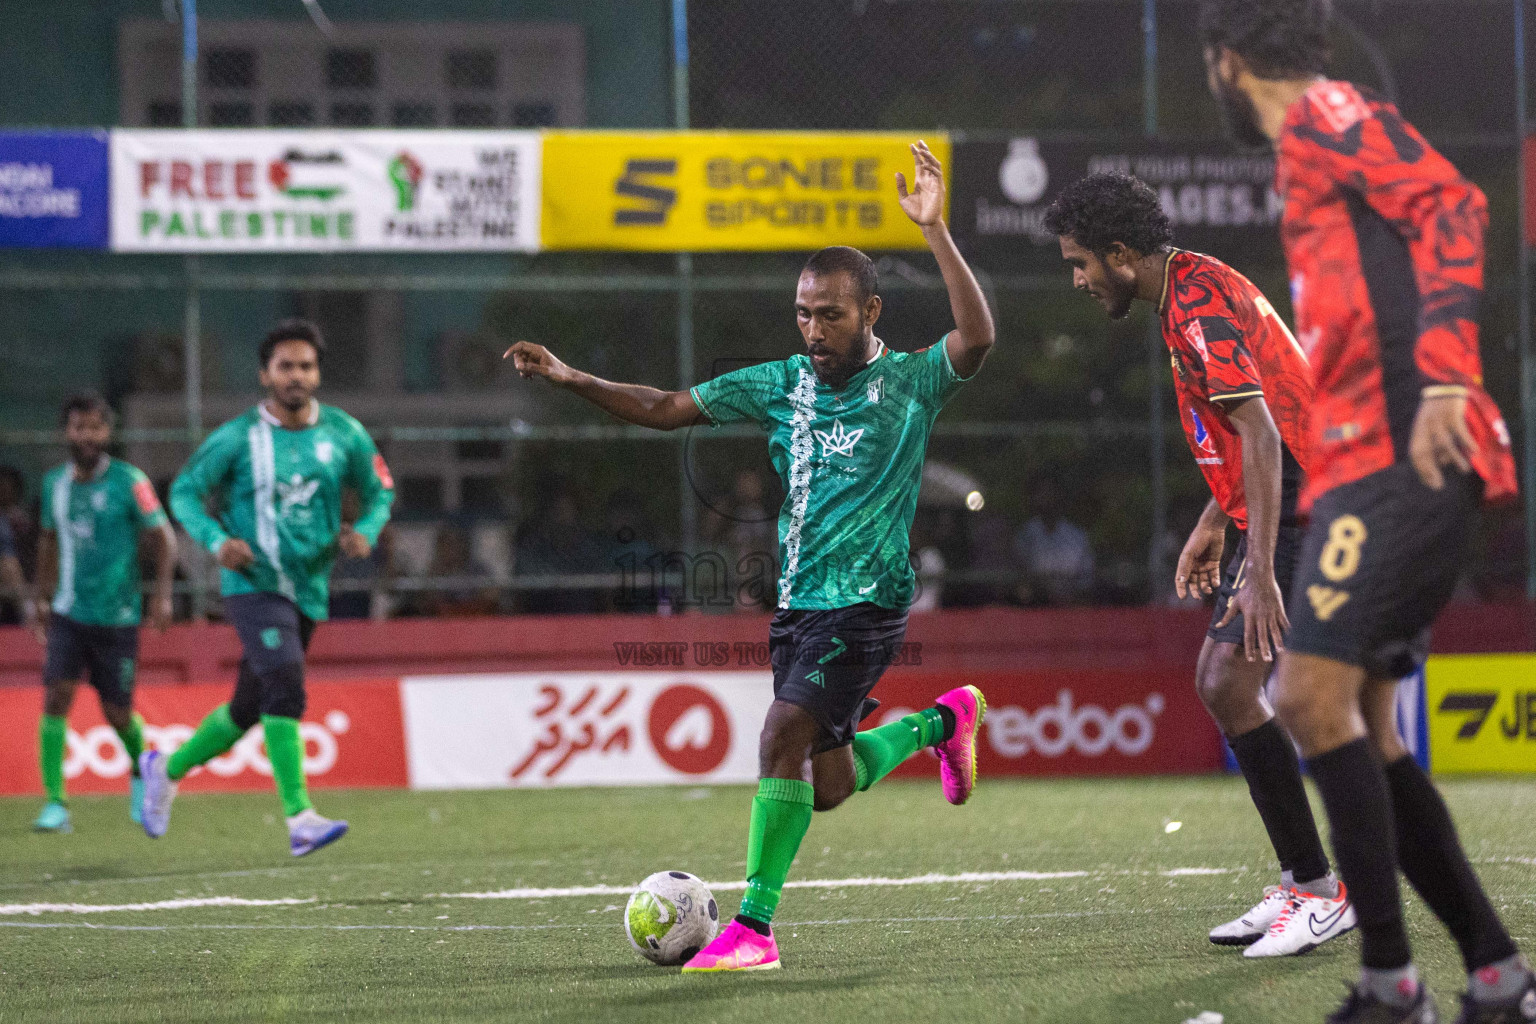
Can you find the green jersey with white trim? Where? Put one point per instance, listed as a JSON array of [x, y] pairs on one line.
[[851, 462], [98, 522], [279, 490]]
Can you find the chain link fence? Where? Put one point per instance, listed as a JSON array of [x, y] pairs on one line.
[[513, 498]]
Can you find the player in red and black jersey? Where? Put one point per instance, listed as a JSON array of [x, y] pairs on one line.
[[1244, 393], [1384, 239]]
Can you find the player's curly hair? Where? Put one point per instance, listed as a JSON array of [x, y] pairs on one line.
[[293, 329], [1101, 209], [1278, 38]]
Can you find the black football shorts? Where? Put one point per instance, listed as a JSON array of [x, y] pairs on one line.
[[1381, 559], [107, 655], [827, 660]]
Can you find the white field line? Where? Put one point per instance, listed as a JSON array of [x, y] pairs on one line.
[[782, 925], [183, 904], [809, 883]]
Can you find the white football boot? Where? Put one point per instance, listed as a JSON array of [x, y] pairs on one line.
[[1306, 922], [1250, 928]]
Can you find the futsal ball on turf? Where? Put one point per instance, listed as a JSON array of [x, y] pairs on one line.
[[670, 917]]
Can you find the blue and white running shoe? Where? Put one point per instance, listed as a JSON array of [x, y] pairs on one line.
[[308, 831], [159, 791]]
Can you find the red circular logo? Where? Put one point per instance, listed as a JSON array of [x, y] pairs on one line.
[[689, 730]]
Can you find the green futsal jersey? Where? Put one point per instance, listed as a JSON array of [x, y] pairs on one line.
[[851, 461], [98, 522], [279, 490]]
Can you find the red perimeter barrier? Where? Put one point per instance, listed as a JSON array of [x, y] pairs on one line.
[[988, 639]]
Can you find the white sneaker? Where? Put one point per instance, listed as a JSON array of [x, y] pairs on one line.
[[1306, 922], [1250, 928], [308, 831], [159, 791]]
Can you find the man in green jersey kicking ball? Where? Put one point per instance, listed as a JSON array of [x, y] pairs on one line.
[[276, 475], [97, 511], [847, 424]]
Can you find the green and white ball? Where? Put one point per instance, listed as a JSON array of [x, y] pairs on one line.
[[670, 917]]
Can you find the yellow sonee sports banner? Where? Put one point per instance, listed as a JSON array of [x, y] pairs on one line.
[[1482, 712], [728, 191]]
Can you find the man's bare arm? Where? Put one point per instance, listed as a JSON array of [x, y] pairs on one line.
[[633, 403], [974, 332]]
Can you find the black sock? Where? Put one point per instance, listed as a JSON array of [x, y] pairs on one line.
[[1354, 791], [948, 718], [761, 927], [1431, 857], [1269, 765]]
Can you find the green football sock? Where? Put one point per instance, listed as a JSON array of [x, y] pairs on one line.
[[286, 752], [877, 752], [133, 741], [217, 733], [51, 736], [781, 815]]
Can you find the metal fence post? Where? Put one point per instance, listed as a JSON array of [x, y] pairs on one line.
[[192, 314], [688, 512], [1527, 353], [1156, 568]]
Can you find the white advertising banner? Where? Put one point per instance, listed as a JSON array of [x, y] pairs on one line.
[[583, 728], [302, 190]]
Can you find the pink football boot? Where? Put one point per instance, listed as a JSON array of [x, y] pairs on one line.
[[957, 755], [738, 948]]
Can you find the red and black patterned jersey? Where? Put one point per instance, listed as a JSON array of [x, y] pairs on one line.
[[1384, 239], [1229, 344]]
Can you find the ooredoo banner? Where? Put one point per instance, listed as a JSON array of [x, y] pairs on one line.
[[1097, 722], [583, 728], [352, 736], [322, 190], [728, 191]]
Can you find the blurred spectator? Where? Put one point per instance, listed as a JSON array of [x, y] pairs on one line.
[[928, 561], [627, 531], [13, 586], [992, 557], [1054, 552], [21, 518], [746, 535], [462, 585], [360, 586], [552, 543]]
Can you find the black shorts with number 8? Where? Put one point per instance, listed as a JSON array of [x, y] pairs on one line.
[[1381, 559]]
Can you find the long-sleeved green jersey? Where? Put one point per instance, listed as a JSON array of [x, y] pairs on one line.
[[279, 490]]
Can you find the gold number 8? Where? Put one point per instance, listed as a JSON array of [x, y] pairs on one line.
[[1341, 555]]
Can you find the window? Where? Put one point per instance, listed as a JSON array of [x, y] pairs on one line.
[[229, 68], [164, 114], [237, 114], [352, 115], [415, 115], [471, 69], [351, 69], [473, 115], [533, 115], [290, 115]]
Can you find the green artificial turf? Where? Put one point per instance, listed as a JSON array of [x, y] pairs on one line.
[[380, 943]]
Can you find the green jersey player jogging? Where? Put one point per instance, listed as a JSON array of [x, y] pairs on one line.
[[848, 423], [276, 476], [96, 512]]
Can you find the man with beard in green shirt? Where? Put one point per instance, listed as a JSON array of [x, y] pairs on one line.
[[848, 423], [276, 474], [96, 512]]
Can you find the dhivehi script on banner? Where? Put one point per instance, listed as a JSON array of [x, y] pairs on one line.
[[321, 190]]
